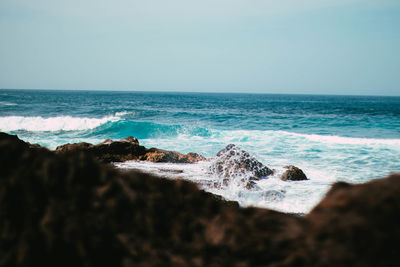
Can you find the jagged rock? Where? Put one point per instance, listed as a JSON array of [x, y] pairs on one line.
[[130, 139], [293, 174], [235, 164], [107, 142], [109, 150], [34, 145], [194, 157], [129, 149], [67, 209], [74, 147], [159, 155]]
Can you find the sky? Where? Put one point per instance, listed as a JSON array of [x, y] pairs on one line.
[[259, 46]]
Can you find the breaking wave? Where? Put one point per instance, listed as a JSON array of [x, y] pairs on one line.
[[60, 123]]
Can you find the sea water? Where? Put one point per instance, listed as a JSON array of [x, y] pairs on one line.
[[331, 138]]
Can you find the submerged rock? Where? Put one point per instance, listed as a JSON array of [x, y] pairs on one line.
[[273, 195], [293, 174], [235, 164]]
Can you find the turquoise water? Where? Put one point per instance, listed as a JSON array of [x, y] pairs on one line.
[[351, 138]]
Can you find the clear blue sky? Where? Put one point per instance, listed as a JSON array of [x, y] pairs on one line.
[[269, 46]]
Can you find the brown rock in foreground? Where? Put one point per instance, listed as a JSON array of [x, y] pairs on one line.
[[69, 210]]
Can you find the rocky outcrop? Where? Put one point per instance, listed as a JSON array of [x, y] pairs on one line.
[[293, 174], [129, 149], [67, 209], [355, 225], [159, 155], [108, 151], [233, 164]]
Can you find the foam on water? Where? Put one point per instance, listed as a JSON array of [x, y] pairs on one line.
[[330, 138], [60, 123], [4, 103], [124, 113], [297, 197]]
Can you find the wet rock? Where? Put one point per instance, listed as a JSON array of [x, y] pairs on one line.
[[273, 195], [235, 164], [293, 174], [129, 149], [194, 157], [74, 147], [109, 150], [34, 145], [107, 142], [130, 139], [67, 209], [159, 155]]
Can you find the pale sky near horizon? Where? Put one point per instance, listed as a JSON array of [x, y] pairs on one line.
[[260, 46]]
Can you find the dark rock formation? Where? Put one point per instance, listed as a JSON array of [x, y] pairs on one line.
[[129, 149], [159, 155], [108, 151], [293, 174], [355, 225], [235, 164], [67, 209]]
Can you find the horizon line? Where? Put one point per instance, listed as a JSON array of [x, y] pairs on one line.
[[195, 91]]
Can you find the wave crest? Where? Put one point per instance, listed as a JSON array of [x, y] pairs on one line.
[[333, 139], [60, 123]]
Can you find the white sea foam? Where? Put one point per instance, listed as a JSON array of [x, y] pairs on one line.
[[299, 197], [332, 139], [324, 159], [124, 113], [4, 103], [60, 123]]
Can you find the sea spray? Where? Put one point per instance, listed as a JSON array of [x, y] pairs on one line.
[[330, 138]]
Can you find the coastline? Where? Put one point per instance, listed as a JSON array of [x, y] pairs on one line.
[[73, 205]]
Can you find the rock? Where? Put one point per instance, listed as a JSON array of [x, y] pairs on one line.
[[235, 164], [293, 174], [74, 147], [106, 142], [356, 225], [34, 145], [130, 139], [108, 150], [129, 149], [194, 157], [159, 155], [67, 209], [273, 195]]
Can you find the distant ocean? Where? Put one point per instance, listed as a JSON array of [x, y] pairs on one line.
[[331, 138]]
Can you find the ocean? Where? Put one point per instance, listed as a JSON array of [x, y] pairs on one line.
[[331, 138]]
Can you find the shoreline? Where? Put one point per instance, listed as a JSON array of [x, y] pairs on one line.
[[77, 210]]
